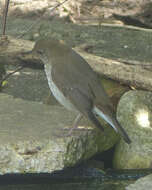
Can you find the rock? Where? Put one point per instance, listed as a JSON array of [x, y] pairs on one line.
[[135, 115], [141, 184], [29, 84], [114, 90], [32, 137]]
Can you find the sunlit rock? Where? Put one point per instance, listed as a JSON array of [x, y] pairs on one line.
[[135, 115]]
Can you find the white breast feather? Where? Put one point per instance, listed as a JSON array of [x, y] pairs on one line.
[[56, 92]]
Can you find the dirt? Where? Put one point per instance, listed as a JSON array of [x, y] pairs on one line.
[[80, 11]]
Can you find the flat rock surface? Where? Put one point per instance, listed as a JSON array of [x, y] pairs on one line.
[[21, 119], [29, 84], [33, 137]]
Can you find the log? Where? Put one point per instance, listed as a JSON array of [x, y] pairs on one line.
[[137, 75]]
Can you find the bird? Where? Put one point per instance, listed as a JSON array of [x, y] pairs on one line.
[[75, 84]]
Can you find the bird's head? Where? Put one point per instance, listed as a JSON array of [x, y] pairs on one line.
[[46, 49]]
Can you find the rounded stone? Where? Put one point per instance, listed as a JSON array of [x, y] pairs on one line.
[[135, 115]]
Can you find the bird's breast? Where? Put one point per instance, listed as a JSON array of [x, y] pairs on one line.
[[56, 91]]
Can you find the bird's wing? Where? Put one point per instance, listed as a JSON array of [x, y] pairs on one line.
[[77, 74], [75, 85]]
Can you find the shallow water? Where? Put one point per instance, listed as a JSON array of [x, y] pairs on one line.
[[70, 186]]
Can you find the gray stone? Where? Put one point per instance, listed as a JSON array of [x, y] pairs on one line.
[[144, 183], [29, 84], [32, 137], [135, 115]]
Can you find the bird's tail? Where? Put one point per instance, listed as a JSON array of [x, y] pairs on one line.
[[94, 120], [114, 123]]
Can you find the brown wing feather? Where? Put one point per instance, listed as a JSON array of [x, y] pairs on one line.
[[72, 69], [77, 90]]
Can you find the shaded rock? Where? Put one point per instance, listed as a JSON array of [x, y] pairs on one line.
[[141, 184], [130, 20], [135, 115], [32, 137], [29, 84]]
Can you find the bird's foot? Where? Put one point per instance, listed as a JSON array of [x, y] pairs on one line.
[[75, 126]]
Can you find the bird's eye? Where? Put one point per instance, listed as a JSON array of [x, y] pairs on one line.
[[40, 51]]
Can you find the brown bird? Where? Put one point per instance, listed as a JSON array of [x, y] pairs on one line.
[[75, 85]]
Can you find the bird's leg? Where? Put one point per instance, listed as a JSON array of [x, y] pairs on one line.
[[75, 123], [74, 126]]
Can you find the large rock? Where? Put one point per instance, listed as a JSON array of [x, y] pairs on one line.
[[135, 114], [32, 137]]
